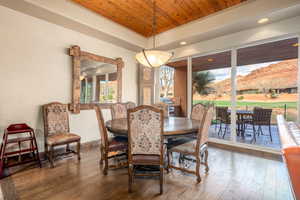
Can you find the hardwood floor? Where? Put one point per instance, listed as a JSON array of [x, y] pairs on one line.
[[232, 175]]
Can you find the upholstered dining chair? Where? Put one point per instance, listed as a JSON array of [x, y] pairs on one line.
[[57, 130], [110, 147], [145, 141], [118, 110], [164, 107], [196, 148], [198, 111], [130, 104]]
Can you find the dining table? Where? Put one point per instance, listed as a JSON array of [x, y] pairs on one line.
[[243, 117], [173, 126]]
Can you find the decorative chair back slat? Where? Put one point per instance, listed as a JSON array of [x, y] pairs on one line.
[[102, 128], [145, 129], [198, 111], [262, 116], [56, 118], [164, 107], [202, 137]]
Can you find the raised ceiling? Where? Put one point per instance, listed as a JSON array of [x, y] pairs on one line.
[[137, 14]]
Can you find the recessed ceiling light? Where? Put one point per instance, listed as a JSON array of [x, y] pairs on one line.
[[296, 45], [263, 20], [183, 43], [210, 60]]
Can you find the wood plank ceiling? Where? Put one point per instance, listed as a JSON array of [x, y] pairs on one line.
[[137, 14]]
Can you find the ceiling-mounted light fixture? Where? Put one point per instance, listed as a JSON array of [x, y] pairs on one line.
[[263, 20], [183, 43], [152, 57]]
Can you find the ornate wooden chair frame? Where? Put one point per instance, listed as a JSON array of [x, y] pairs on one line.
[[127, 105], [200, 148], [135, 162], [50, 155], [109, 147]]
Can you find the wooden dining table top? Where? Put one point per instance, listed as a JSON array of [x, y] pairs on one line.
[[172, 126]]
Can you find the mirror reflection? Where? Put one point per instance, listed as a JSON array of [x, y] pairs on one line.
[[98, 82]]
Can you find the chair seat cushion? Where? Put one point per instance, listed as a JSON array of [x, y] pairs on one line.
[[116, 144], [146, 159], [186, 148], [62, 138]]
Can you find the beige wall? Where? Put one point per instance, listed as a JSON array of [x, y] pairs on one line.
[[35, 69]]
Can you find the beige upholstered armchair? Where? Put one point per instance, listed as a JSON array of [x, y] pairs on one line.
[[57, 131], [145, 139]]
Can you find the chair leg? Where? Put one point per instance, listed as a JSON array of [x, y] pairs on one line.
[[68, 148], [78, 150], [161, 180], [198, 169], [206, 161], [226, 127], [254, 133], [102, 155], [168, 158], [105, 164], [130, 177], [51, 156], [270, 133], [220, 129]]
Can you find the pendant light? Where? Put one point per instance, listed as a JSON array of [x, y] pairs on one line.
[[153, 57]]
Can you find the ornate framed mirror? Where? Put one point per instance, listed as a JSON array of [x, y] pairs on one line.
[[96, 80]]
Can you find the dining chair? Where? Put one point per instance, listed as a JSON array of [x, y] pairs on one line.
[[129, 105], [198, 111], [261, 117], [164, 107], [110, 147], [57, 130], [196, 148], [118, 110], [145, 141]]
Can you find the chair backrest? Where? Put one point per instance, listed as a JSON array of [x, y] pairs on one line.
[[102, 128], [222, 114], [56, 118], [118, 110], [205, 123], [262, 116], [145, 131], [164, 107], [198, 111], [130, 105]]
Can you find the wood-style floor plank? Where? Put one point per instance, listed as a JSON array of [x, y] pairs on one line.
[[232, 176]]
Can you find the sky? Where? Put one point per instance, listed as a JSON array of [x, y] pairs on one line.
[[224, 73]]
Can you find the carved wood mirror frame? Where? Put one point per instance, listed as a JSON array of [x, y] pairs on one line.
[[77, 55]]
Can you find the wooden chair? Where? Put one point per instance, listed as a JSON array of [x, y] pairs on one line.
[[198, 111], [195, 148], [110, 147], [119, 110], [164, 107], [57, 130], [145, 141], [130, 104]]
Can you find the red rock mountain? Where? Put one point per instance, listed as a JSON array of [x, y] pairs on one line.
[[275, 76]]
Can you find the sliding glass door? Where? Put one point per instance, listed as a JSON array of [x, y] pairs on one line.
[[211, 84], [249, 87]]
